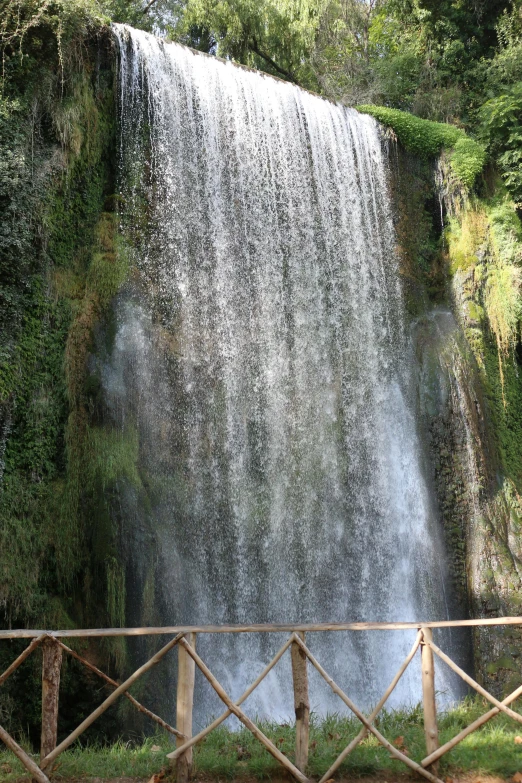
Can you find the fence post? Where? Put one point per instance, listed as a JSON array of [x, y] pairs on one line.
[[185, 698], [51, 667], [428, 696], [301, 704]]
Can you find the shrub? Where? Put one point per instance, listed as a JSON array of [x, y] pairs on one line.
[[427, 139]]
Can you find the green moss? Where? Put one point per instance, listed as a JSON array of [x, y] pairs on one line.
[[109, 267], [505, 662], [475, 311], [78, 261], [484, 250], [506, 228], [112, 456], [427, 139], [61, 263], [504, 396], [464, 236]]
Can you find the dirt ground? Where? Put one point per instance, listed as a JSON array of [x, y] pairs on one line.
[[381, 777]]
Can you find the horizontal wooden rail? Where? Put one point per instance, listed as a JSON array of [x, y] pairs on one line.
[[184, 637], [24, 633]]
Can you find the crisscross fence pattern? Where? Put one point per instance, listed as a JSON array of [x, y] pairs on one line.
[[184, 638]]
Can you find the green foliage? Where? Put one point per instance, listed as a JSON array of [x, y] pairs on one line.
[[501, 128], [464, 236], [61, 263], [344, 49], [157, 16], [503, 304], [503, 285], [504, 396], [109, 267], [467, 160], [422, 137], [427, 139], [274, 35], [43, 32], [484, 245]]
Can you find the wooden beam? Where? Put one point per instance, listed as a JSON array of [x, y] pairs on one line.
[[51, 668], [24, 633], [109, 700], [364, 731], [26, 760], [127, 695], [431, 731], [215, 723], [184, 705], [238, 712], [474, 684], [21, 658], [148, 7], [470, 729], [301, 704], [358, 714]]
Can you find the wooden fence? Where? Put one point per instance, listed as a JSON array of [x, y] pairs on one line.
[[184, 638]]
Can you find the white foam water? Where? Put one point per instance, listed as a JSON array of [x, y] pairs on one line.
[[262, 355]]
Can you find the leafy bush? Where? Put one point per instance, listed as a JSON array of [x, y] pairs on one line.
[[427, 139], [501, 129]]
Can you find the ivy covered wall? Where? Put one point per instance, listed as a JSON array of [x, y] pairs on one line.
[[61, 263], [460, 243]]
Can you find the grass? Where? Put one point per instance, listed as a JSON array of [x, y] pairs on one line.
[[232, 754]]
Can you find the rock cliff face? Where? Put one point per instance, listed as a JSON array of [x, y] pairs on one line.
[[61, 264], [460, 258]]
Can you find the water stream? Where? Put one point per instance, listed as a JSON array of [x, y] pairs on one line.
[[261, 353]]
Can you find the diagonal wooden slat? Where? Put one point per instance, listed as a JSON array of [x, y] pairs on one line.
[[21, 658], [110, 700], [194, 740], [364, 731], [26, 760], [469, 729], [349, 703], [127, 695], [470, 681], [238, 712]]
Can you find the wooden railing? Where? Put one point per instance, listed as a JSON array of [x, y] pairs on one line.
[[184, 638]]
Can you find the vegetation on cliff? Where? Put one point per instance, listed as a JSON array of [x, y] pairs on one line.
[[428, 139], [60, 264]]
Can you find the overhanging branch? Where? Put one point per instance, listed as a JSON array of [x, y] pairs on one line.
[[253, 46], [148, 7]]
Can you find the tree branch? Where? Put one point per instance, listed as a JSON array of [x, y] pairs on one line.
[[147, 7], [252, 45]]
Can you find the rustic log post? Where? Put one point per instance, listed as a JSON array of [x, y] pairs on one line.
[[185, 698], [255, 730], [301, 704], [123, 688], [392, 750], [51, 666], [428, 696]]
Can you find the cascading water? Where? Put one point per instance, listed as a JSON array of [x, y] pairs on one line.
[[260, 353]]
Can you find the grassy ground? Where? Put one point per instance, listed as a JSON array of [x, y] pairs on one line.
[[234, 754]]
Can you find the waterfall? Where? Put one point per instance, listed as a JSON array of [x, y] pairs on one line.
[[261, 352]]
